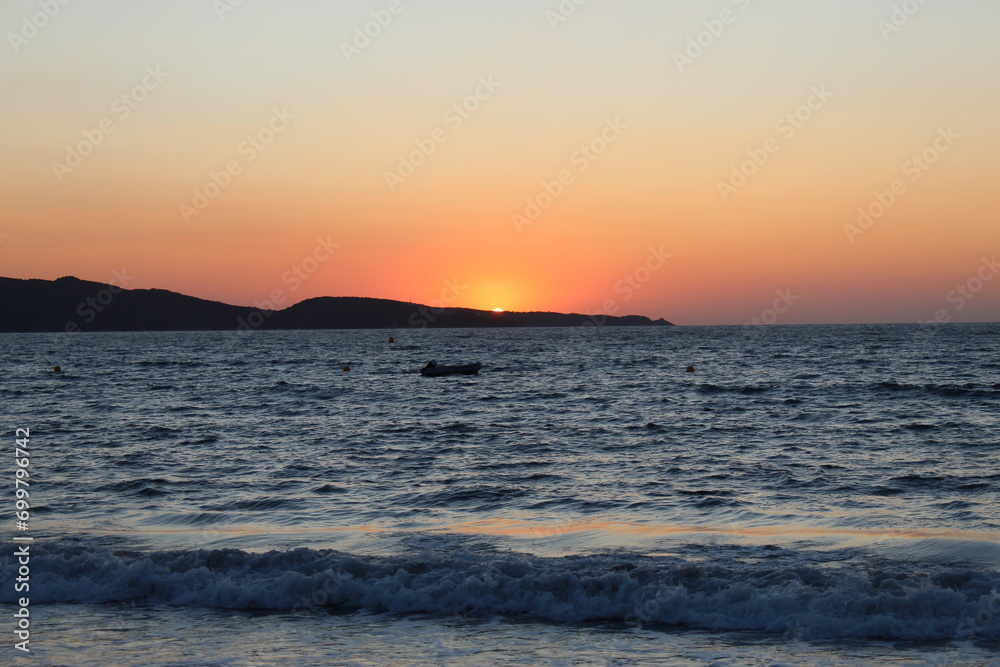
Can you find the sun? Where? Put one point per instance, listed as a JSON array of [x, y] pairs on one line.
[[498, 310]]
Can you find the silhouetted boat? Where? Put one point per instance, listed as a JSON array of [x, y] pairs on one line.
[[433, 369]]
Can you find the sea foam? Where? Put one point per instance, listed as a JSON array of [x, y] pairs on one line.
[[898, 601]]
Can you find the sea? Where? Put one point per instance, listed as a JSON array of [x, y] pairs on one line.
[[805, 495]]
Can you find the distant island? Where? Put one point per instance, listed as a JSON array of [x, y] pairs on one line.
[[72, 305]]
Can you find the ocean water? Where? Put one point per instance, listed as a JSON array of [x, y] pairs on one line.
[[808, 496]]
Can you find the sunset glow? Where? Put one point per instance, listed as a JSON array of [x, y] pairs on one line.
[[466, 332], [697, 162]]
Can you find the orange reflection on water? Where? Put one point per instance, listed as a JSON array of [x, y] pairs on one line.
[[607, 528], [523, 528]]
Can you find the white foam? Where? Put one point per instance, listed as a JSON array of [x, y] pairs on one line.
[[899, 601]]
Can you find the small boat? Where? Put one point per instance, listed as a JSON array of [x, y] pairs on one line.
[[433, 369]]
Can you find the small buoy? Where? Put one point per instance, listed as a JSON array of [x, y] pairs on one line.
[[690, 369], [391, 339], [57, 369], [347, 368]]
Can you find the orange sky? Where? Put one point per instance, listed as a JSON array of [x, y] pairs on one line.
[[641, 127]]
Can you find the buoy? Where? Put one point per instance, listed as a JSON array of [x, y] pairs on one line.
[[391, 339], [347, 368], [57, 369], [690, 369]]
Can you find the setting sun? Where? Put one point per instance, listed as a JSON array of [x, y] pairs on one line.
[[498, 310]]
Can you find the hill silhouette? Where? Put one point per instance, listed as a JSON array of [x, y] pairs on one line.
[[70, 304]]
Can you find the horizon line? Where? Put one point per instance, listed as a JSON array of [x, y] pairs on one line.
[[504, 311]]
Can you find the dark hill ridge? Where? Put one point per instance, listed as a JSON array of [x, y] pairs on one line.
[[71, 304]]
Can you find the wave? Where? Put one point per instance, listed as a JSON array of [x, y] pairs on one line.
[[460, 496], [170, 362], [709, 388], [969, 390], [893, 601]]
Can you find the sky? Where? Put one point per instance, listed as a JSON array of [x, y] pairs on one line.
[[709, 162]]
